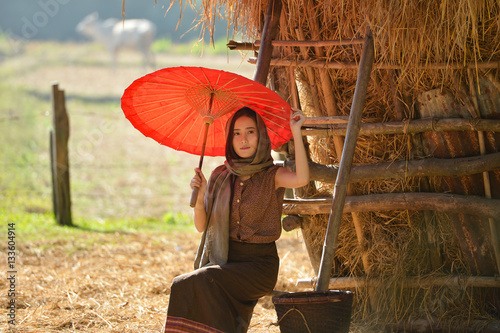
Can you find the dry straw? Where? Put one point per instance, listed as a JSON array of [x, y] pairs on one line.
[[419, 46]]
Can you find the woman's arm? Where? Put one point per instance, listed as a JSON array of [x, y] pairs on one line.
[[289, 179], [199, 212]]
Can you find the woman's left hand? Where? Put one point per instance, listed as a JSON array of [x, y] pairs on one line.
[[297, 119]]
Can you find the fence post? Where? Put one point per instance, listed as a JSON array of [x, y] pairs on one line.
[[59, 158]]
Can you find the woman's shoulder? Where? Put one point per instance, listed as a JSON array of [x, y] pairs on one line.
[[269, 172]]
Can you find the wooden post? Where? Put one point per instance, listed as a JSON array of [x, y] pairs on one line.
[[60, 160], [340, 189], [269, 32]]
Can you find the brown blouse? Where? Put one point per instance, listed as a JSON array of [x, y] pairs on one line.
[[256, 208]]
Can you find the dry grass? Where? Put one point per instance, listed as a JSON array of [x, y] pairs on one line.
[[120, 282]]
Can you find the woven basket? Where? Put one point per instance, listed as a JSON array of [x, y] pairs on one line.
[[314, 312]]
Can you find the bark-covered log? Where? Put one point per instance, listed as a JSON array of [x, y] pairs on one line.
[[452, 167], [249, 46], [323, 64], [409, 127], [453, 203]]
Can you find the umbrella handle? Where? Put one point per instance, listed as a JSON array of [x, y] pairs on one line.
[[194, 196]]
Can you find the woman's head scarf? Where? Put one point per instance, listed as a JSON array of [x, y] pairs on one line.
[[261, 160], [214, 244]]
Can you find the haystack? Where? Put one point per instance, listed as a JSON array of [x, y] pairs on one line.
[[427, 251]]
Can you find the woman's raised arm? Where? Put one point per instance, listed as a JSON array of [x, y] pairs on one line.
[[289, 179]]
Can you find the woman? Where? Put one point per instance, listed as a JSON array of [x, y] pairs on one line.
[[239, 213]]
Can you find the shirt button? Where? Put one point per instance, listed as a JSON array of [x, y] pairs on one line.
[[238, 200], [241, 184], [238, 222]]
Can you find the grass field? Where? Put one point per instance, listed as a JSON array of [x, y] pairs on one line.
[[133, 232]]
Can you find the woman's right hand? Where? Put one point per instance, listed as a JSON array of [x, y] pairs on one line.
[[199, 181]]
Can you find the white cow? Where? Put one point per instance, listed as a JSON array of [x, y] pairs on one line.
[[115, 34]]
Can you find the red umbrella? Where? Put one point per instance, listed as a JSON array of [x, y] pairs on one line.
[[187, 108]]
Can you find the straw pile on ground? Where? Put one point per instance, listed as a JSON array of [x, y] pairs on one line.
[[419, 46], [118, 282]]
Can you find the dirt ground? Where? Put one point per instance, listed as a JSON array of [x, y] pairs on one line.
[[121, 282]]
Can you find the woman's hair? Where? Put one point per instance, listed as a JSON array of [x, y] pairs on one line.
[[244, 112]]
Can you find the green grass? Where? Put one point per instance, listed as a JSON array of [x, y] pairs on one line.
[[123, 188], [40, 226], [193, 47], [121, 182]]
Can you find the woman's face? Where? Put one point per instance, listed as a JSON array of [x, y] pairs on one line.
[[245, 137]]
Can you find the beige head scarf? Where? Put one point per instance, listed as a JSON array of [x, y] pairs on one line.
[[214, 243]]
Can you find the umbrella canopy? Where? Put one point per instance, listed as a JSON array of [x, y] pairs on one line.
[[173, 105]]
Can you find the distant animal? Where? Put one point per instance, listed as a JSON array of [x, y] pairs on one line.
[[116, 34]]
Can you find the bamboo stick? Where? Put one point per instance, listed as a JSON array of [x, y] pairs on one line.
[[410, 126], [340, 190], [448, 281], [441, 202], [249, 46], [316, 63]]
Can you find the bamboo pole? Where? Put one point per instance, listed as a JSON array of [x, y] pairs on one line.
[[340, 190], [249, 46], [494, 229], [310, 189], [410, 126], [446, 203], [354, 66], [269, 32], [448, 281]]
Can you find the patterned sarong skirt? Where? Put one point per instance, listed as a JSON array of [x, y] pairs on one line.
[[221, 298]]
